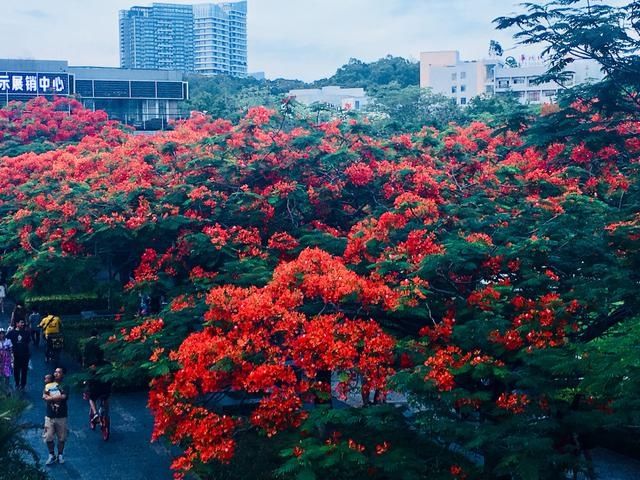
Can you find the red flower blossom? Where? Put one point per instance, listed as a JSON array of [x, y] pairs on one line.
[[359, 174], [513, 402]]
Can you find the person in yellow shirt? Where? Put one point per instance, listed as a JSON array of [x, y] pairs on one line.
[[50, 324], [51, 328]]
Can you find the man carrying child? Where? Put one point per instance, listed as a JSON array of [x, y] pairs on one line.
[[55, 394]]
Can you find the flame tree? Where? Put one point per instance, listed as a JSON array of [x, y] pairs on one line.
[[317, 276]]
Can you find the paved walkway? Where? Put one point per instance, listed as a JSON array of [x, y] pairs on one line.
[[127, 455], [613, 466]]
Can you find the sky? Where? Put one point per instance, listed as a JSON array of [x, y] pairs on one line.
[[303, 39]]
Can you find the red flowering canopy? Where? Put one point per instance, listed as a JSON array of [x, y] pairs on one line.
[[472, 279]]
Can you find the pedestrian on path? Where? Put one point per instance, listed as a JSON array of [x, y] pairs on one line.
[[6, 358], [52, 330], [34, 322], [20, 341], [19, 313], [3, 295], [55, 420]]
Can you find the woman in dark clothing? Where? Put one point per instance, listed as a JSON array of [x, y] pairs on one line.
[[20, 339]]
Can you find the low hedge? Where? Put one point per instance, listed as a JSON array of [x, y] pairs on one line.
[[66, 304], [76, 330]]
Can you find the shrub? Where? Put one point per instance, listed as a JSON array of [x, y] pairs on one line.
[[16, 456], [65, 304]]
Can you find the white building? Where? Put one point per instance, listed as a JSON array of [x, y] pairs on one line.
[[443, 72], [220, 38], [336, 97]]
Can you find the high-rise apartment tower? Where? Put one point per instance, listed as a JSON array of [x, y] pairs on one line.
[[208, 38]]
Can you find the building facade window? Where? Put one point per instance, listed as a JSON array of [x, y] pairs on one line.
[[518, 80], [490, 71], [454, 77], [463, 100], [454, 89], [463, 88], [533, 96], [185, 37], [463, 75]]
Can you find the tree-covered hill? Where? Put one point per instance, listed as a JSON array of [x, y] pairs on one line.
[[373, 75]]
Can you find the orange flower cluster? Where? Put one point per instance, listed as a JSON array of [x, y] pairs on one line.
[[443, 363], [513, 402], [259, 342], [484, 298], [141, 332], [538, 324], [62, 120]]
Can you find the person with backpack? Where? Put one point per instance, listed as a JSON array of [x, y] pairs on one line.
[[52, 330]]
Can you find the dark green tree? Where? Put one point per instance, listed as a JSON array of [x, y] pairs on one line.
[[218, 95], [404, 109], [504, 111], [386, 71], [575, 29]]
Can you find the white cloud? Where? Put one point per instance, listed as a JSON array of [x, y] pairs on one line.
[[318, 36], [306, 39]]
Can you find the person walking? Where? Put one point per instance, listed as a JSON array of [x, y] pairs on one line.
[[34, 322], [55, 420], [6, 358], [3, 295], [19, 313], [52, 330], [20, 341]]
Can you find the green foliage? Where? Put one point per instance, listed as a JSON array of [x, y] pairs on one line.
[[19, 461], [64, 304], [13, 148], [256, 459], [398, 109], [612, 366], [571, 29], [223, 96], [503, 112], [385, 71], [77, 330], [228, 97], [346, 443]]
